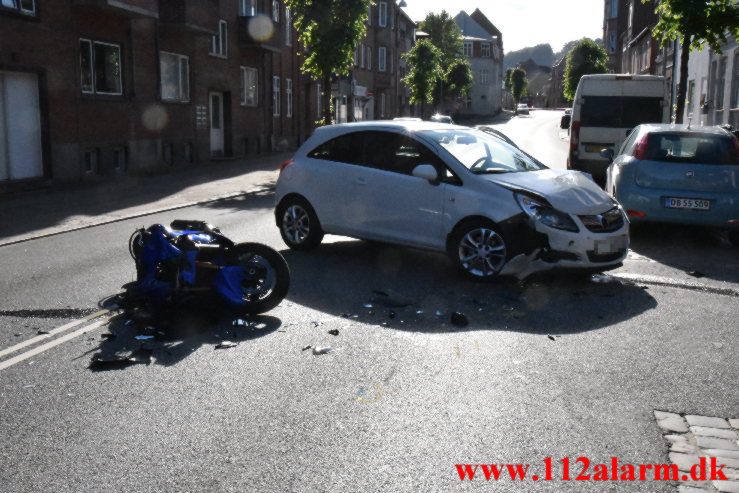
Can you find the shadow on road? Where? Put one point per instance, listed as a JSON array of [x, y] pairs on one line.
[[168, 340], [689, 249], [339, 279]]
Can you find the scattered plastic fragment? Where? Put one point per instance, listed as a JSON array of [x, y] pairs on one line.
[[390, 299], [42, 332], [345, 315], [384, 324], [318, 350], [419, 312], [118, 362], [391, 314], [143, 338], [439, 313], [334, 332], [368, 305], [128, 322], [551, 338], [17, 334], [696, 273], [459, 319], [306, 347], [508, 308], [226, 345], [602, 278], [355, 316], [315, 323]]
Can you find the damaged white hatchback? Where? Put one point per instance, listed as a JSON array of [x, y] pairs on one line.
[[492, 208]]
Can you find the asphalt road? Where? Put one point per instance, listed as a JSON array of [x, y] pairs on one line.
[[558, 366]]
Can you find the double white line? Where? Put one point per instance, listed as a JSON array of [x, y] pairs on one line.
[[61, 340]]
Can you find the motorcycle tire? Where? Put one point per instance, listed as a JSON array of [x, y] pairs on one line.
[[268, 277]]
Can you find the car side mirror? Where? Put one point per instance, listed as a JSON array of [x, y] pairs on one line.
[[607, 154], [565, 121], [427, 172]]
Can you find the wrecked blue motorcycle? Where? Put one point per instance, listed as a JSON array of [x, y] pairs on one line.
[[193, 262]]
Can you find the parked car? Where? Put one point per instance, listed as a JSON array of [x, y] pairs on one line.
[[493, 209], [678, 174], [566, 119], [522, 109], [439, 118], [605, 109]]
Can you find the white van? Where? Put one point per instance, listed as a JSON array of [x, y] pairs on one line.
[[605, 109]]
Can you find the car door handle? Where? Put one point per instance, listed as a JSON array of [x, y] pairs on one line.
[[360, 181]]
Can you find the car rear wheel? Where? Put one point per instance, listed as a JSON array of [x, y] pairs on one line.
[[478, 250], [299, 225]]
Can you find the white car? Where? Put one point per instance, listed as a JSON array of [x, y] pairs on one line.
[[493, 209], [522, 109]]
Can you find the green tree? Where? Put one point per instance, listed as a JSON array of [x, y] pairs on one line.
[[459, 78], [519, 82], [507, 80], [424, 70], [586, 57], [696, 23], [330, 31]]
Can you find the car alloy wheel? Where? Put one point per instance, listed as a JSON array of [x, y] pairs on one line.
[[481, 252], [296, 224], [299, 225]]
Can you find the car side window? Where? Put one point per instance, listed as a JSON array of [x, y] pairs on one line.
[[342, 149], [397, 153], [629, 142]]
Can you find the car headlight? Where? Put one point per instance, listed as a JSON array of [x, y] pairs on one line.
[[545, 214]]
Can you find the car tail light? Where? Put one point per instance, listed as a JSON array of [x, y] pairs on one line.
[[640, 151], [574, 134], [636, 214], [285, 164]]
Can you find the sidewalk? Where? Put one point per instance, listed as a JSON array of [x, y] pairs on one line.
[[39, 213]]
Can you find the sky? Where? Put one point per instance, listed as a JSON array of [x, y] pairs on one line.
[[526, 22]]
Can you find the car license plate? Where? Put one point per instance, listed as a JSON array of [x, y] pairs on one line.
[[611, 245], [683, 203]]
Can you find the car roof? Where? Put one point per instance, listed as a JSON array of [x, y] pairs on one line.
[[397, 125], [683, 128]]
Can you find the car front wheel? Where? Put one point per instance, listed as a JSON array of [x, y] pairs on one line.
[[299, 225], [478, 250]]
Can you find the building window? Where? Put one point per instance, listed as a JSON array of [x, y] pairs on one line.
[[356, 55], [275, 96], [720, 83], [362, 56], [369, 15], [247, 8], [484, 77], [381, 59], [120, 158], [100, 68], [90, 160], [319, 102], [175, 77], [249, 87], [614, 9], [485, 47], [276, 10], [369, 58], [382, 14], [612, 36], [219, 42], [289, 94], [467, 48], [23, 6], [288, 27]]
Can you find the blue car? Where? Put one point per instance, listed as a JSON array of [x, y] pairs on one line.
[[678, 174]]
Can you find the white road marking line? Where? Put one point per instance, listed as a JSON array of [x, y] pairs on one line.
[[44, 347], [53, 332]]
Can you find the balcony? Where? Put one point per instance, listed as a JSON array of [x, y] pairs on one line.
[[259, 32], [131, 8], [196, 15]]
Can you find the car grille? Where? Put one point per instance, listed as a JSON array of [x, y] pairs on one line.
[[605, 257], [607, 222]]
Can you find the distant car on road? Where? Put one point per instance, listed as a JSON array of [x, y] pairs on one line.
[[439, 118], [522, 109], [492, 208], [678, 174], [566, 119]]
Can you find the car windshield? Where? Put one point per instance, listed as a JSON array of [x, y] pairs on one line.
[[693, 148], [482, 153]]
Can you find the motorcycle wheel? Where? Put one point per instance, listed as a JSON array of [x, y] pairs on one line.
[[267, 277]]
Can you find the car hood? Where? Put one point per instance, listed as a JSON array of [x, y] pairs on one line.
[[567, 191]]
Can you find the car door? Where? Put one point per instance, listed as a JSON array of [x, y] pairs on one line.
[[386, 201]]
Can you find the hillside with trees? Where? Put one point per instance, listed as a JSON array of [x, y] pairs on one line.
[[542, 54]]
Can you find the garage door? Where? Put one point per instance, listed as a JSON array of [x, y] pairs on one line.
[[20, 127]]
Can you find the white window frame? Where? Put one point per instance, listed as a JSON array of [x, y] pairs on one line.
[[382, 59], [183, 96], [289, 94], [484, 76], [245, 99], [94, 90], [275, 96], [485, 50], [247, 8], [382, 14], [219, 41], [467, 49], [288, 27], [276, 11], [18, 6]]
